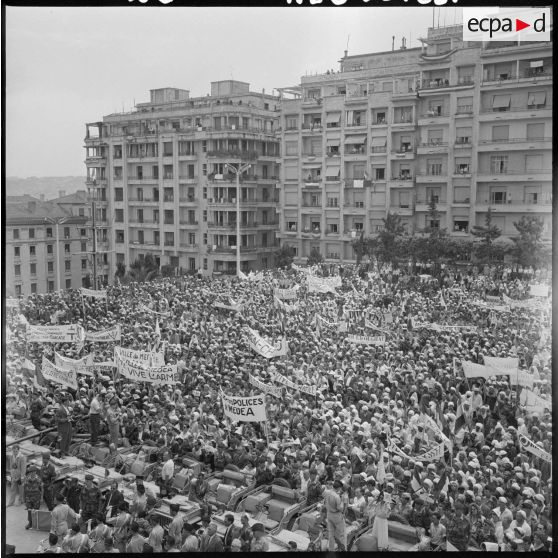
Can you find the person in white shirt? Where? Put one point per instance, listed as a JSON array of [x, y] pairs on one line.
[[167, 473]]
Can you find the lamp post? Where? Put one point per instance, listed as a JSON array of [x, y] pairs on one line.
[[57, 222], [238, 171]]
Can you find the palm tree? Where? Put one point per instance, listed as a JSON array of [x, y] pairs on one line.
[[144, 270]]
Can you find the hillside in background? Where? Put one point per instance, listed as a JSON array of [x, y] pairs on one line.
[[50, 186]]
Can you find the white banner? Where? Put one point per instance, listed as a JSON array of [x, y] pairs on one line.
[[105, 336], [367, 339], [272, 390], [166, 374], [286, 294], [263, 347], [235, 308], [533, 402], [319, 285], [490, 298], [79, 366], [145, 358], [523, 378], [325, 322], [474, 370], [502, 366], [245, 409], [94, 294], [531, 447], [433, 425], [12, 303], [55, 374], [539, 290], [301, 269], [56, 334], [434, 454], [289, 308], [255, 277], [310, 390], [147, 309]]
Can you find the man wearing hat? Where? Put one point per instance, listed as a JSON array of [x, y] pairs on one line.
[[90, 499], [48, 474], [32, 491]]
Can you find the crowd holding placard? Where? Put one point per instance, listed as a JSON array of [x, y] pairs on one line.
[[377, 395]]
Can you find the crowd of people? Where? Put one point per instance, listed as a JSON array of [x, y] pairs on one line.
[[354, 448]]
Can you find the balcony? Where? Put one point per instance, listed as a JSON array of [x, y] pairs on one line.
[[357, 183], [379, 122], [514, 206], [378, 150], [312, 128], [423, 204], [462, 142], [146, 223], [402, 181], [515, 175], [359, 151], [96, 160], [189, 247], [185, 223], [432, 146], [514, 144], [403, 122], [427, 176], [440, 83], [314, 182], [189, 199], [235, 155], [488, 114], [403, 153], [143, 179], [354, 208], [146, 201], [95, 182], [188, 179], [513, 80], [402, 210], [464, 110], [433, 117], [462, 171]]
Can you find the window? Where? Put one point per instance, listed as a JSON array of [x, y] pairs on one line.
[[292, 226], [167, 149], [205, 215], [500, 133], [17, 269], [264, 240], [536, 99], [141, 238], [49, 249], [291, 148], [192, 264], [333, 228], [387, 86], [16, 234], [332, 202], [380, 118], [50, 267], [461, 194], [192, 216], [501, 103], [333, 120], [433, 223], [118, 194], [68, 265], [433, 195], [117, 152], [464, 105], [68, 283], [84, 247], [82, 232], [435, 108], [119, 215], [204, 169], [532, 195], [533, 162], [168, 194], [50, 286], [17, 251], [33, 269], [463, 134], [462, 165], [205, 239], [535, 131], [167, 172], [169, 239], [119, 237], [380, 173], [139, 193], [499, 164], [434, 167], [435, 137], [31, 233], [83, 264], [497, 197], [204, 192], [191, 238], [205, 264], [404, 198], [49, 232], [359, 227], [156, 237], [66, 248], [32, 250], [117, 173]]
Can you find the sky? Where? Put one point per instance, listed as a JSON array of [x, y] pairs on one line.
[[72, 65]]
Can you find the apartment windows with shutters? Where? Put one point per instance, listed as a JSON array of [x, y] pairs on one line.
[[17, 251], [535, 132], [140, 215], [17, 270], [167, 149], [33, 288], [31, 233], [155, 172], [500, 133], [205, 239], [434, 167], [380, 173], [192, 264], [32, 251], [119, 215], [119, 237], [499, 164], [118, 194], [50, 249], [68, 265], [50, 267], [463, 135], [168, 217], [169, 239], [66, 248], [498, 197], [191, 238]]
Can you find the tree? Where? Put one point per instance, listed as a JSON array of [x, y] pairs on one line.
[[361, 247], [315, 257], [120, 271], [528, 250], [168, 271], [144, 270], [486, 251], [284, 256], [387, 248]]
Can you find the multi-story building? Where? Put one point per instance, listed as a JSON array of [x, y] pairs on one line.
[[44, 245], [160, 183], [467, 125]]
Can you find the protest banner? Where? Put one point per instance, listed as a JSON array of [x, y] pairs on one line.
[[73, 333], [166, 374], [301, 269], [245, 409], [147, 309], [539, 290], [522, 378], [367, 339], [272, 390], [53, 373], [502, 366], [233, 308], [310, 390], [12, 303], [255, 277], [323, 321], [533, 448], [433, 425], [263, 347], [434, 454], [490, 298], [533, 402], [473, 370], [146, 358], [320, 284], [289, 308], [79, 365], [105, 336], [286, 294], [92, 293]]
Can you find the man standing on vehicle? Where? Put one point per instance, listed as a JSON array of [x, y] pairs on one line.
[[335, 517]]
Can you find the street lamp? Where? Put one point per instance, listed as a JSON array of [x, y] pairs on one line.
[[237, 171], [57, 222]]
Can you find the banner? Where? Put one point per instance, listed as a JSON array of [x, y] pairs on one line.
[[502, 366], [301, 269], [70, 364], [289, 308], [473, 370], [286, 294], [146, 309], [166, 374], [310, 390], [523, 378], [52, 373], [533, 402], [263, 347], [367, 339], [434, 454], [94, 294], [233, 308], [12, 303], [533, 448], [145, 358], [490, 298], [28, 365], [272, 390], [56, 334], [245, 409], [319, 285], [255, 276], [538, 290], [325, 322], [105, 336], [433, 425]]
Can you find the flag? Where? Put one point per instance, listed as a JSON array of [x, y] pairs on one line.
[[442, 485], [416, 482], [442, 301]]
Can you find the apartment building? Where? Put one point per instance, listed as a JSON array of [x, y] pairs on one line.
[[44, 241], [465, 124], [160, 183]]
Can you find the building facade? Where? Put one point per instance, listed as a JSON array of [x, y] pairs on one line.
[[44, 243], [467, 125], [160, 185]]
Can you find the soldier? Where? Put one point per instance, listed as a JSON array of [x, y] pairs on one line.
[[175, 528], [48, 474], [90, 499], [32, 490], [72, 492]]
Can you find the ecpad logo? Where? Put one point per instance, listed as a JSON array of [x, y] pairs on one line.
[[506, 24]]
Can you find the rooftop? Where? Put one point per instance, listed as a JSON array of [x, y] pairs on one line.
[[27, 209]]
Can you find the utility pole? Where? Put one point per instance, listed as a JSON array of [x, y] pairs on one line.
[[238, 171], [94, 243]]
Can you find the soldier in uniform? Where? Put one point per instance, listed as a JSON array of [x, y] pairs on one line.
[[90, 499], [48, 474], [32, 491], [314, 489]]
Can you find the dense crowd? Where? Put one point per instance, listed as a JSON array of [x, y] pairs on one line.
[[354, 448]]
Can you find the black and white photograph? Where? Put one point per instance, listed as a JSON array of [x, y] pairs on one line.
[[277, 278]]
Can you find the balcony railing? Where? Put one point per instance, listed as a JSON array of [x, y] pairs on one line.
[[189, 200], [433, 114], [545, 203], [464, 109], [312, 127], [310, 204], [236, 154], [493, 172], [188, 222], [333, 178], [434, 143], [463, 141], [403, 177], [318, 154], [378, 150], [427, 201], [462, 170], [148, 200], [514, 140], [188, 245], [526, 108], [169, 243], [355, 150]]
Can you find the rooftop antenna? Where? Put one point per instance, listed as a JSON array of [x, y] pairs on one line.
[[347, 50], [392, 43]]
